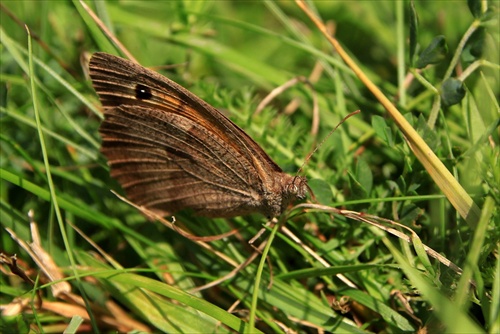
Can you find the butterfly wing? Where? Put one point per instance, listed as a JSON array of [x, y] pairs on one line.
[[171, 150]]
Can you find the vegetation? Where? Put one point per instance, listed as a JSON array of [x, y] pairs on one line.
[[99, 265]]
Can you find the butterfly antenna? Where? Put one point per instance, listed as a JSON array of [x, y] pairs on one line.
[[325, 139]]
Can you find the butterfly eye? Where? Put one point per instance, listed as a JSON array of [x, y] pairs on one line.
[[142, 92], [293, 189]]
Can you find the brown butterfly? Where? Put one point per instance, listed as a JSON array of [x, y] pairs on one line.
[[170, 150]]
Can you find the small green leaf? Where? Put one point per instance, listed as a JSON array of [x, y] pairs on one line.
[[409, 214], [452, 92], [475, 7], [382, 130], [434, 53], [394, 186], [413, 187], [422, 255], [427, 133], [356, 187], [74, 324], [474, 47], [364, 175], [322, 190], [402, 186]]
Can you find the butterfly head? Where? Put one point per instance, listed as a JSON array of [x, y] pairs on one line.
[[297, 188]]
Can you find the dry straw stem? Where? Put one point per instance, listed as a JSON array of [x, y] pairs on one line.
[[107, 32], [457, 195], [379, 222]]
